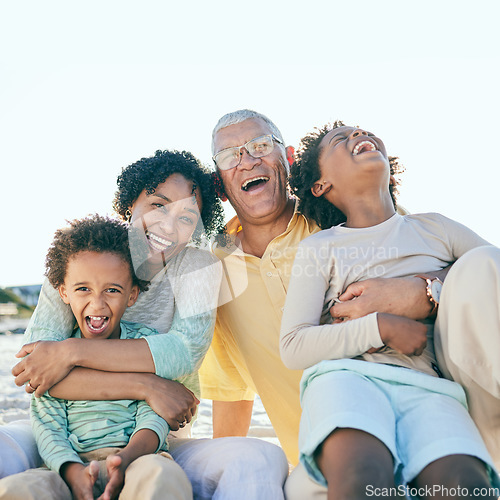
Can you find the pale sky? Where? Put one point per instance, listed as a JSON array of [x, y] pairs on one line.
[[87, 88]]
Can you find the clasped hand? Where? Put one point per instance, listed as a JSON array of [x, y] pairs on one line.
[[400, 296], [47, 364], [399, 302]]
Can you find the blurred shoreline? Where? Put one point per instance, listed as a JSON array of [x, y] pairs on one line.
[[12, 325]]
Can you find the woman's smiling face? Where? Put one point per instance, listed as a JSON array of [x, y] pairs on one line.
[[166, 218]]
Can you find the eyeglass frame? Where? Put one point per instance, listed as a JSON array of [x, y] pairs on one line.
[[239, 148]]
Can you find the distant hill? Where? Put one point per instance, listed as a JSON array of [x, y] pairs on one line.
[[7, 296], [27, 293]]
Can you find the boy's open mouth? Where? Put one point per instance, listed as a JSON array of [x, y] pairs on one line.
[[254, 183], [97, 324], [364, 147]]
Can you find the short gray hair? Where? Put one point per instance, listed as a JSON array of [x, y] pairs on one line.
[[240, 116]]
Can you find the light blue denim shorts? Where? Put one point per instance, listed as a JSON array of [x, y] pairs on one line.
[[418, 417]]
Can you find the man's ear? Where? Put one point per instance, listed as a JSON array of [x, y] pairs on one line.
[[63, 294], [134, 293], [290, 155], [320, 188]]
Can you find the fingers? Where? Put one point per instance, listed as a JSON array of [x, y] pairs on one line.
[[352, 291], [41, 390], [18, 368], [22, 379], [339, 311], [29, 388], [113, 462], [196, 400], [93, 471], [420, 350], [115, 482], [26, 349], [32, 387], [173, 424]]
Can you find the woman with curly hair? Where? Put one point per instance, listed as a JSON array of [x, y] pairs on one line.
[[376, 413], [171, 205]]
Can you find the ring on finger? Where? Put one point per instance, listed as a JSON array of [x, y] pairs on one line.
[[31, 387]]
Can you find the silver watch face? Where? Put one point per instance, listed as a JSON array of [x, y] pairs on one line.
[[436, 287]]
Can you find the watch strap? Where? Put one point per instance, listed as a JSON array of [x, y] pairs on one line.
[[428, 291]]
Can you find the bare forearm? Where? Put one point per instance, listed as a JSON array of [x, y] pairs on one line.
[[49, 363], [83, 383], [231, 418], [130, 355], [143, 442]]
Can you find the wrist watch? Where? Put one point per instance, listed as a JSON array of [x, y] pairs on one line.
[[433, 290]]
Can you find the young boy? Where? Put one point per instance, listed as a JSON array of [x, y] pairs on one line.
[[97, 447], [376, 411]]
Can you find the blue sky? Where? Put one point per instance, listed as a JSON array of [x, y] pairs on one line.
[[88, 87]]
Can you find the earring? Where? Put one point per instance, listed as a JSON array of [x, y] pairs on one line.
[[128, 214]]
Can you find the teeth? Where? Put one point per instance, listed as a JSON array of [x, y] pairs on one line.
[[253, 179], [359, 145], [158, 243], [101, 323]]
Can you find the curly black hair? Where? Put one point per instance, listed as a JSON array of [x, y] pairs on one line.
[[305, 172], [91, 234], [148, 173]]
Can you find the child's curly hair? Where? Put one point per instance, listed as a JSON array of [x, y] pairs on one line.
[[91, 234], [148, 173], [305, 172]]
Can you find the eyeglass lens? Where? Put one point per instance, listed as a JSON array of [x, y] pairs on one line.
[[258, 147]]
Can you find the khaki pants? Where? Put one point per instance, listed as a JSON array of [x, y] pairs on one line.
[[150, 477], [467, 345], [467, 338]]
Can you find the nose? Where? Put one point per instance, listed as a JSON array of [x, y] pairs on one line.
[[247, 161], [97, 303], [357, 132], [167, 223]]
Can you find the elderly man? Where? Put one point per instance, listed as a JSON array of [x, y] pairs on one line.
[[253, 164]]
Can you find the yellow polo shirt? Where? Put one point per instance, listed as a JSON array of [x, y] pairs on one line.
[[244, 357]]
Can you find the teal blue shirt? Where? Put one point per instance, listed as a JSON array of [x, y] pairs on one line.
[[65, 428]]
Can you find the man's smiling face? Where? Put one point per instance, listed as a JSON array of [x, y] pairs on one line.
[[257, 187]]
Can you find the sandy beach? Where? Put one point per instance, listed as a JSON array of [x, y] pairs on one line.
[[14, 401]]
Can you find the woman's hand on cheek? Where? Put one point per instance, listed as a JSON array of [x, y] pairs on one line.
[[44, 364]]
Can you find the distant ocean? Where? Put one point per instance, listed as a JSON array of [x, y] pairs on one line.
[[14, 401]]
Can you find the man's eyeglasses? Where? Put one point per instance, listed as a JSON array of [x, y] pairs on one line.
[[257, 148]]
